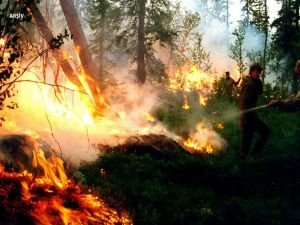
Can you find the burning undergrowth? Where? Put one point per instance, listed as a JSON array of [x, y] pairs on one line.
[[66, 124], [43, 194], [61, 115]]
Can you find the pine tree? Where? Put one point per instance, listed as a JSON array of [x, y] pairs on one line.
[[145, 25], [287, 35], [104, 21], [237, 48], [187, 46]]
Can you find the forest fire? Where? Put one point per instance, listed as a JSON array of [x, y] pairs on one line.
[[96, 96], [71, 114], [46, 196], [204, 140], [63, 112], [194, 146], [189, 79]]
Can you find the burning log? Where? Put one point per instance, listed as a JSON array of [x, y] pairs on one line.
[[92, 88]]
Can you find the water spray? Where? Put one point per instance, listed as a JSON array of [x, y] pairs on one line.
[[233, 114], [254, 109]]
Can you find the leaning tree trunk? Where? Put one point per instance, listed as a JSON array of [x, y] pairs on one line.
[[56, 53], [60, 59], [86, 60], [141, 73]]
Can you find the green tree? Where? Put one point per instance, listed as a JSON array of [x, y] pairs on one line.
[[258, 16], [237, 49], [104, 20], [199, 56], [287, 35], [144, 24], [187, 46], [220, 9]]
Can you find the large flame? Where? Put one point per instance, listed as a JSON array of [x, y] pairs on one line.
[[50, 198], [188, 79], [191, 79], [64, 117]]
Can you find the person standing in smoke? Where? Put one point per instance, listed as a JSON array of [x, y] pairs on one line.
[[292, 103], [250, 123], [229, 84]]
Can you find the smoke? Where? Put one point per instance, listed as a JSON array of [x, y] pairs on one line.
[[216, 41], [62, 119]]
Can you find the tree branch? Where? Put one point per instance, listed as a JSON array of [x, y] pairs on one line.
[[40, 82]]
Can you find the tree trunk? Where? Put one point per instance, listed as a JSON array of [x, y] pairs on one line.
[[141, 73], [60, 60], [297, 6], [56, 53], [87, 62], [266, 31], [101, 43]]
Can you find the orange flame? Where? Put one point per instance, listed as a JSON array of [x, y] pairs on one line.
[[186, 105], [2, 41], [204, 140], [194, 146], [203, 100], [220, 126], [53, 199], [192, 79]]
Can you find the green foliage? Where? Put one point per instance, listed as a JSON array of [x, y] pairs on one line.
[[287, 29], [219, 9], [172, 114], [287, 36], [58, 41], [188, 189], [203, 189], [237, 48], [214, 9], [259, 15], [104, 20], [199, 56], [156, 30], [187, 46]]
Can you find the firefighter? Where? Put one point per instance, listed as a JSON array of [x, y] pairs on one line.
[[250, 123], [230, 83], [292, 103]]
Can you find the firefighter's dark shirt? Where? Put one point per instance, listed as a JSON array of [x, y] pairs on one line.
[[250, 90]]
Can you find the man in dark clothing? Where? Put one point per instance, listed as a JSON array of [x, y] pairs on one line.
[[250, 124]]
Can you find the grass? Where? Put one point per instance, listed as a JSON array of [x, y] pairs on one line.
[[208, 189]]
